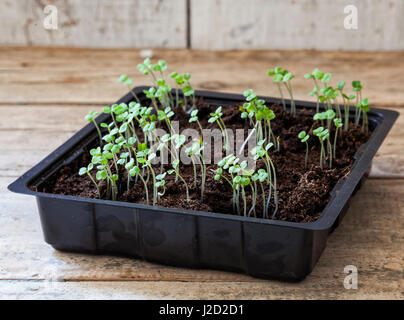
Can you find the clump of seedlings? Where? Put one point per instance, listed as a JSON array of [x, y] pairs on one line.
[[345, 99], [316, 75], [195, 152], [239, 177], [132, 155], [284, 76], [260, 117]]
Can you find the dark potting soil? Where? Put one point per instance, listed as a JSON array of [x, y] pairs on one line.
[[302, 193]]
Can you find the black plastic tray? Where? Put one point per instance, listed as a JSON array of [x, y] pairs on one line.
[[259, 247]]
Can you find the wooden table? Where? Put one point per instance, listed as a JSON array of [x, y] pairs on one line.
[[44, 96]]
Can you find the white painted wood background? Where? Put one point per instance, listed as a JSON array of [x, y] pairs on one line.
[[208, 24], [297, 24], [95, 23]]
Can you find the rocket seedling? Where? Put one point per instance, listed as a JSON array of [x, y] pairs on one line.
[[364, 107], [134, 171], [160, 183], [147, 69], [286, 81], [194, 118], [87, 170], [329, 115], [166, 115], [101, 159], [277, 75], [241, 181], [329, 97], [325, 115], [217, 117], [187, 90], [163, 93], [195, 152], [145, 158], [345, 98], [175, 168], [322, 135], [315, 75], [260, 117], [90, 117], [326, 79], [338, 124], [261, 151], [357, 88], [128, 82], [284, 76], [261, 176], [230, 161], [304, 137], [182, 82]]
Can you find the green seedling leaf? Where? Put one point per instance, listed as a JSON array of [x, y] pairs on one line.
[[338, 122], [288, 77], [317, 74], [161, 176], [318, 131], [341, 85], [271, 72], [278, 77], [326, 78], [330, 114], [305, 138], [123, 78], [302, 134]]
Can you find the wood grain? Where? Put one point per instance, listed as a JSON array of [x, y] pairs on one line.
[[155, 290], [96, 23], [289, 24], [84, 76], [214, 24]]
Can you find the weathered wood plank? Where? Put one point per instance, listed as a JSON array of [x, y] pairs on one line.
[[214, 24], [34, 131], [156, 290], [84, 76], [119, 23], [370, 239], [304, 24]]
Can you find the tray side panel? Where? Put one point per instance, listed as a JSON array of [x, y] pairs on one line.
[[168, 238], [221, 244], [281, 252], [68, 224], [116, 230]]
